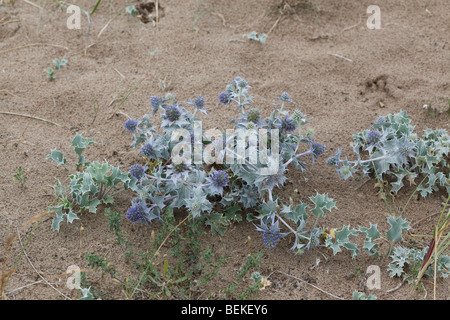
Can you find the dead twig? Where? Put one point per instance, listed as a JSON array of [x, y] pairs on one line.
[[34, 45], [29, 116], [339, 56], [353, 26], [33, 4], [25, 286], [397, 287], [9, 21], [423, 219], [315, 287], [122, 113], [275, 24], [7, 92]]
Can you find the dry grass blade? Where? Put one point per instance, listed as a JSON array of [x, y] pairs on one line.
[[29, 116], [341, 57], [29, 261], [309, 284], [34, 45], [6, 274], [33, 4], [9, 21], [7, 92]]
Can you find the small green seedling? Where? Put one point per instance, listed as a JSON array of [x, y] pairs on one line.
[[254, 36], [58, 64], [20, 177], [362, 296], [131, 10]]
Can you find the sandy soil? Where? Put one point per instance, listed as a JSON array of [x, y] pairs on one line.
[[402, 66]]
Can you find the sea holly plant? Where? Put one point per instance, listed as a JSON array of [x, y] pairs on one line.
[[93, 183], [338, 239], [341, 238], [392, 152], [407, 263], [215, 175]]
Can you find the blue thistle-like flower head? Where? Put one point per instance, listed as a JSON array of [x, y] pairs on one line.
[[335, 160], [172, 113], [271, 239], [155, 101], [219, 178], [317, 149], [253, 115], [148, 151], [373, 137], [137, 171], [405, 150], [271, 235], [131, 125], [225, 97], [178, 170], [285, 97], [137, 211], [240, 83], [381, 121], [287, 125], [199, 102], [298, 116]]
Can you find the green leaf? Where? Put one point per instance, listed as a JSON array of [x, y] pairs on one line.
[[71, 216], [57, 156], [342, 240], [93, 205], [59, 188], [299, 213], [79, 143], [87, 183], [84, 200], [394, 270], [352, 248], [131, 10], [231, 213], [98, 171], [269, 207], [217, 222], [59, 217], [86, 294], [116, 177], [397, 227], [165, 268], [371, 234], [108, 200], [322, 202], [381, 165], [95, 7], [180, 280], [346, 171], [250, 217], [50, 73], [362, 296], [167, 292]]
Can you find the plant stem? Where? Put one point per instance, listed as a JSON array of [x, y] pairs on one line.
[[154, 255], [290, 228], [407, 202]]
